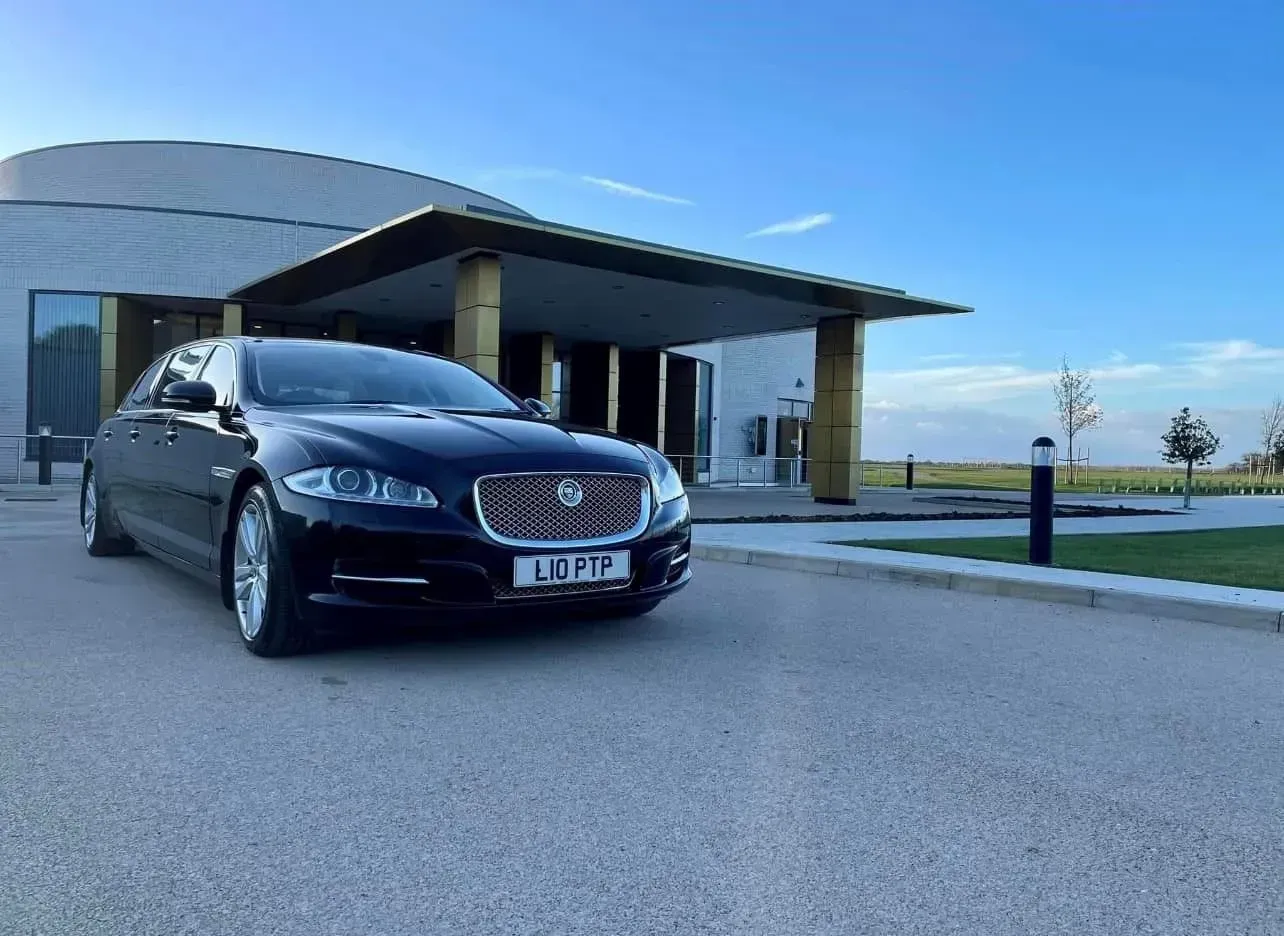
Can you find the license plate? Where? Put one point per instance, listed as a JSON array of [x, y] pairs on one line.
[[530, 571]]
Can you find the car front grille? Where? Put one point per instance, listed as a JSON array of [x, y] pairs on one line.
[[525, 509]]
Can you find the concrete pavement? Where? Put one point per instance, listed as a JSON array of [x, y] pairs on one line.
[[812, 547], [771, 752]]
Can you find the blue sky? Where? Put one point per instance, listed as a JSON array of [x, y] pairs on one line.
[[1100, 178]]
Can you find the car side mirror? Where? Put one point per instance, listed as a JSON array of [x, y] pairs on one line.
[[195, 396], [540, 408]]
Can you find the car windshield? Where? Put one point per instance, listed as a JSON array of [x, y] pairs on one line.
[[314, 373]]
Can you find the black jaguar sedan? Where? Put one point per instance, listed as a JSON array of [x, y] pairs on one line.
[[312, 479]]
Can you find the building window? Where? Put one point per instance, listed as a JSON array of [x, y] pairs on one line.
[[790, 407], [704, 408], [63, 362], [561, 389]]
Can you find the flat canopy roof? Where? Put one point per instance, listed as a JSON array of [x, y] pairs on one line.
[[580, 285]]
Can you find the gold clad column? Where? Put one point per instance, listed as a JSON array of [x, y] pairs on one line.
[[126, 349], [834, 440], [109, 389], [233, 318], [477, 314]]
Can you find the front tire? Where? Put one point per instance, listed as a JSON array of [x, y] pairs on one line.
[[96, 521], [261, 587]]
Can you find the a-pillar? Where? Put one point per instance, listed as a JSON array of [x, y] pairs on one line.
[[126, 349], [233, 318], [595, 385], [643, 388], [834, 438], [530, 366], [476, 339]]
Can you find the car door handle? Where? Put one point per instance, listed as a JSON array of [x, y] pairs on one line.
[[133, 435], [170, 436]]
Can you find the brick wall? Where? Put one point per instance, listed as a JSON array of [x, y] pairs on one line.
[[109, 250]]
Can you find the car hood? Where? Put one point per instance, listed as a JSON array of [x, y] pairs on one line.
[[450, 436]]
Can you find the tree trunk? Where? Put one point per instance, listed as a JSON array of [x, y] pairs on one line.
[[1070, 459], [1190, 469]]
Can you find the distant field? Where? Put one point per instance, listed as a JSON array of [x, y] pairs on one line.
[[1246, 558], [1090, 481]]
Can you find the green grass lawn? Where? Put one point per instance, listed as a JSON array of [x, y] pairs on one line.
[[1107, 480], [1251, 557]]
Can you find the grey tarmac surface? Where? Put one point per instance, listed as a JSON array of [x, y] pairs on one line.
[[769, 753]]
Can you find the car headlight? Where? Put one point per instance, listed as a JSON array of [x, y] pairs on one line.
[[361, 485], [668, 486]]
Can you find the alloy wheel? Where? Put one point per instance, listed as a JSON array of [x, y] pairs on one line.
[[89, 515], [250, 571]]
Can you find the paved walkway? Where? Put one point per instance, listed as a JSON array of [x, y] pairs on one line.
[[809, 547], [1210, 513]]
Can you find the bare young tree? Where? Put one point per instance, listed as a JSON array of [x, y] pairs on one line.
[[1272, 433], [1076, 407]]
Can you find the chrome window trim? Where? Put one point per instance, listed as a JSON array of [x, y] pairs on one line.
[[644, 514]]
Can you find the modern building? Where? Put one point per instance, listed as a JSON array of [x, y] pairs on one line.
[[112, 253]]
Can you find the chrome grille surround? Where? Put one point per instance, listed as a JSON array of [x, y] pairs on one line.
[[523, 509]]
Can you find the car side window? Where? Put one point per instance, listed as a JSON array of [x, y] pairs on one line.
[[220, 372], [141, 393], [184, 364]]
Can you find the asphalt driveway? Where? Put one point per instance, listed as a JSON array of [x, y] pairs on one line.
[[769, 753]]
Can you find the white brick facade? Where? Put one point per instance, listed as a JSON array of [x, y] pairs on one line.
[[230, 180], [750, 376], [162, 219]]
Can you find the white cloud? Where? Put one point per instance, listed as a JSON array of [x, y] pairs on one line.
[[633, 191], [1117, 357], [796, 226], [539, 174], [936, 358], [1230, 351]]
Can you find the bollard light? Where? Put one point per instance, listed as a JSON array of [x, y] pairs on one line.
[[1043, 467], [44, 451], [909, 472]]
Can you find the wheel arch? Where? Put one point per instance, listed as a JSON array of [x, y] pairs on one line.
[[249, 476]]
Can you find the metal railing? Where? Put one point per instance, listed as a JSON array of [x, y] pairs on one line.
[[19, 462], [740, 470]]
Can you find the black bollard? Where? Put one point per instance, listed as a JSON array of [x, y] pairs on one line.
[[909, 472], [45, 452], [1043, 468]]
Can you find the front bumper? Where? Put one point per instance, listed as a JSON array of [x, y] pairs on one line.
[[351, 557]]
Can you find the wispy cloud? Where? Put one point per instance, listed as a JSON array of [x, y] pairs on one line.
[[938, 358], [633, 191], [543, 174], [796, 226], [1192, 366]]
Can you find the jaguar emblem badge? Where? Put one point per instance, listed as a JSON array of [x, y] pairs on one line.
[[570, 493]]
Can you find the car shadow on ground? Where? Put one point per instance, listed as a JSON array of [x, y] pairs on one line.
[[455, 637], [477, 637]]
